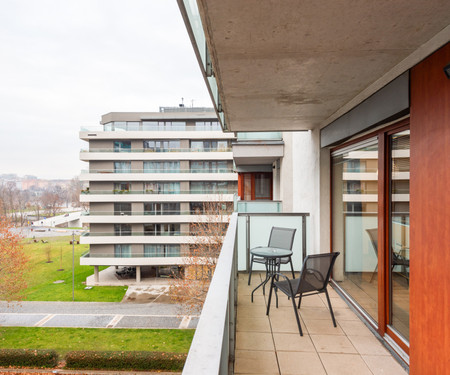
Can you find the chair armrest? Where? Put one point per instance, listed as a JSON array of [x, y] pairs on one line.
[[285, 277]]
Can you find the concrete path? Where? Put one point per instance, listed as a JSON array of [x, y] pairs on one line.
[[95, 315]]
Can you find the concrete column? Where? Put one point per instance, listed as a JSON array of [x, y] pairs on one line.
[[96, 278], [138, 274]]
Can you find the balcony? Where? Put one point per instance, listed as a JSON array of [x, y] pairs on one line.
[[111, 238], [258, 148], [259, 206], [109, 259], [157, 175], [146, 217], [234, 336], [218, 195]]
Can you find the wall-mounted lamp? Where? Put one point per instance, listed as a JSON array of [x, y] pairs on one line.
[[447, 70]]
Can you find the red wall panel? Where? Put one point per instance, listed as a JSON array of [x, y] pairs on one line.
[[430, 220]]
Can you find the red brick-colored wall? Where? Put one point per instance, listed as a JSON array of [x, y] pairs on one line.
[[430, 216]]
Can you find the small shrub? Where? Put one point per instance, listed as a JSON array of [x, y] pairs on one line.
[[28, 357], [125, 360]]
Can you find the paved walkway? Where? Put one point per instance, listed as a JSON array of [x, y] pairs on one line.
[[95, 315]]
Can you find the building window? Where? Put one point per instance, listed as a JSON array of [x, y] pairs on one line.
[[122, 229], [207, 125], [168, 229], [161, 250], [122, 208], [210, 166], [122, 167], [218, 187], [161, 166], [170, 208], [163, 125], [356, 270], [121, 187], [162, 187], [162, 145], [122, 146], [255, 185], [210, 145], [371, 227], [122, 251], [399, 175]]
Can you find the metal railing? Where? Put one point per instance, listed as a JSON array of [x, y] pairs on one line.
[[134, 255], [221, 149], [220, 170], [147, 213], [213, 346], [225, 191], [124, 234], [146, 128]]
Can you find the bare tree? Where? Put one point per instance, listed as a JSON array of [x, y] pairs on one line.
[[191, 288], [74, 192], [13, 262], [52, 200]]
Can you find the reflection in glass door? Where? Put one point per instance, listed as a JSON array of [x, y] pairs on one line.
[[399, 233], [355, 223]]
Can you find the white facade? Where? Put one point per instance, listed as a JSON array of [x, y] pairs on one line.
[[149, 175]]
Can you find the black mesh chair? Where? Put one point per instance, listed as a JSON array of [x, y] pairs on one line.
[[313, 279], [282, 238]]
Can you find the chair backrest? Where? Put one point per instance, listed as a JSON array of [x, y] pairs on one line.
[[316, 272], [282, 238], [373, 235]]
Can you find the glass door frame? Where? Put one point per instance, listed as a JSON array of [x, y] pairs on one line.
[[384, 299]]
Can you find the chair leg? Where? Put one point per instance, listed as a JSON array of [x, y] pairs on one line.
[[270, 297], [292, 268], [250, 272], [331, 309], [299, 301], [296, 316]]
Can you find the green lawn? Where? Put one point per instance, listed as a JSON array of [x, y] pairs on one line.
[[67, 339], [41, 275]]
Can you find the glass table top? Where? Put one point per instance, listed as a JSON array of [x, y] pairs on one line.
[[270, 252]]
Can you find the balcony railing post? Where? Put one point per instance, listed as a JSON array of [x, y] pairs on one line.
[[303, 237]]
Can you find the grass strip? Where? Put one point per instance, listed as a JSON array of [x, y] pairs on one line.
[[64, 340]]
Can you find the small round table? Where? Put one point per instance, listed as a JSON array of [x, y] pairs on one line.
[[271, 254]]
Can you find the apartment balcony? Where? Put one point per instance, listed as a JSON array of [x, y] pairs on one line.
[[234, 335], [154, 196], [187, 132], [166, 154], [109, 259], [258, 148], [159, 175], [103, 238], [258, 206], [144, 217]]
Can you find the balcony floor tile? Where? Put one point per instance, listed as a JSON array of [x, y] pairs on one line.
[[272, 344]]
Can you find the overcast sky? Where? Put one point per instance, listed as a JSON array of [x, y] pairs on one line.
[[65, 63]]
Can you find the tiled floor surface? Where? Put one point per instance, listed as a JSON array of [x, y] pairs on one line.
[[273, 345]]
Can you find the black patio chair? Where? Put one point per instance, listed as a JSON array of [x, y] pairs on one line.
[[282, 238], [313, 279]]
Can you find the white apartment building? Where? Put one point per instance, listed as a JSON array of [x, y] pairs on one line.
[[149, 175]]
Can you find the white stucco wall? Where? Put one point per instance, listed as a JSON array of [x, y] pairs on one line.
[[300, 180]]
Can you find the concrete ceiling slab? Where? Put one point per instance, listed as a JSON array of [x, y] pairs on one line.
[[292, 65]]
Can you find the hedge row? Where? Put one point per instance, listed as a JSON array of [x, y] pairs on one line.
[[125, 360], [28, 357]]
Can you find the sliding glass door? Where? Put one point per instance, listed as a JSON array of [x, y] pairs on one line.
[[371, 227], [355, 223], [399, 232]]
